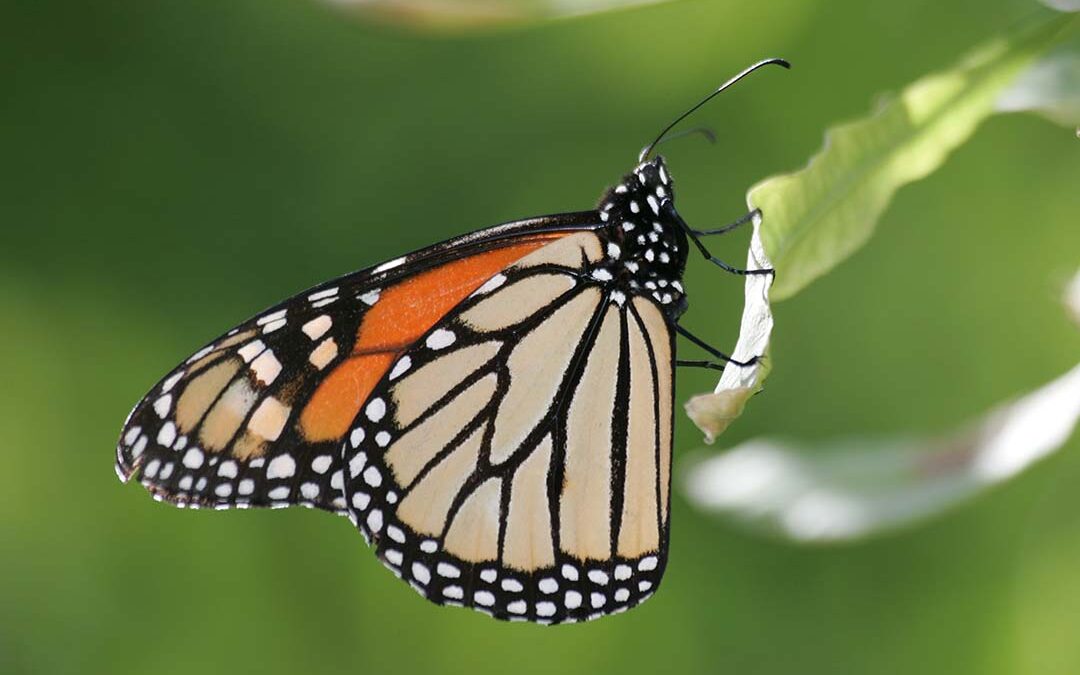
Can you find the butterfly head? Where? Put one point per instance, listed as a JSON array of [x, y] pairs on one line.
[[645, 236]]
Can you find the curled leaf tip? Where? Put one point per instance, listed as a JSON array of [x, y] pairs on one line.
[[714, 412]]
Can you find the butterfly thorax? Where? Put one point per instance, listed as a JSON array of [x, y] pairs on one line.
[[646, 245]]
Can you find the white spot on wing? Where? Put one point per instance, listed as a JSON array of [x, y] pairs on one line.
[[272, 317], [375, 410], [403, 364], [369, 298], [317, 327], [440, 339], [491, 284], [282, 466], [396, 262], [162, 405]]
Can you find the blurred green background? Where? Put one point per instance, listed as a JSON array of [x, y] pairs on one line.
[[172, 168]]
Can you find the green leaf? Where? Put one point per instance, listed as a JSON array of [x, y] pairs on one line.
[[818, 216]]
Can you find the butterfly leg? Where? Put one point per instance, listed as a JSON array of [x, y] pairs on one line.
[[712, 350], [711, 365], [693, 234], [731, 226]]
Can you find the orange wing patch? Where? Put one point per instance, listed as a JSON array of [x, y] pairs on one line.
[[399, 318]]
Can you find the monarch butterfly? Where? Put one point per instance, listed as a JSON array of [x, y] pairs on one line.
[[493, 413]]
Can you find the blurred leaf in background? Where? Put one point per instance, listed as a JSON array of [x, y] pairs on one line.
[[472, 14]]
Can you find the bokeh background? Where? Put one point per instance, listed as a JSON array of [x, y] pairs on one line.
[[171, 168]]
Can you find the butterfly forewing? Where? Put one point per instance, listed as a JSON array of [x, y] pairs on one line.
[[257, 417]]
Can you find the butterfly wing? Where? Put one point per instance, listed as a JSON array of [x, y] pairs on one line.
[[258, 416], [516, 458]]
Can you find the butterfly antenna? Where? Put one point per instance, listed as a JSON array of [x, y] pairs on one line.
[[760, 64]]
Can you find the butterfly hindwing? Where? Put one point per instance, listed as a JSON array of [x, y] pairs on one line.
[[516, 459]]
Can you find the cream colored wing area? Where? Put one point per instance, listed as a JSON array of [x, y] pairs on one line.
[[418, 391], [225, 418], [537, 366], [659, 336], [474, 534], [412, 452], [565, 252], [202, 391], [517, 302], [585, 507], [639, 530], [527, 544], [428, 503]]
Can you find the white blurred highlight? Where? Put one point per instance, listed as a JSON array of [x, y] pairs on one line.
[[854, 488]]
